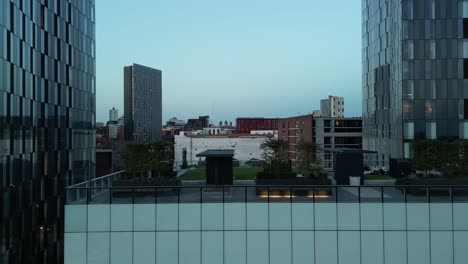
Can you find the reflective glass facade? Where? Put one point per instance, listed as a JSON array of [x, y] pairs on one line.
[[47, 117], [414, 82], [142, 103]]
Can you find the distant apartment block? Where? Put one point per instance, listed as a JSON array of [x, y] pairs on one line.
[[198, 124], [142, 103], [316, 113], [334, 132], [333, 106], [245, 125], [325, 132], [114, 114], [296, 130]]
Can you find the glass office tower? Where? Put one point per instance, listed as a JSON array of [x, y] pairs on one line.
[[47, 119], [414, 74], [142, 103]]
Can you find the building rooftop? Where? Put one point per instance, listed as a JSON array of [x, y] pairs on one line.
[[217, 153], [104, 190]]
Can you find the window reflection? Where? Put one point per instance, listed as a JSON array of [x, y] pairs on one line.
[[430, 109]]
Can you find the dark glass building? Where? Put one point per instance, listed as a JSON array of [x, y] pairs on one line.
[[142, 103], [415, 74], [47, 120]]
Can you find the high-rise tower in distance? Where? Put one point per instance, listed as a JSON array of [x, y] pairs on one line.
[[113, 114], [142, 103], [47, 121], [415, 74], [333, 106]]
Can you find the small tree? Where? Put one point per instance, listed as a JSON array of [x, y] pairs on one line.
[[442, 156], [309, 162], [463, 160], [276, 156], [160, 156], [426, 155], [135, 158], [144, 157], [450, 158]]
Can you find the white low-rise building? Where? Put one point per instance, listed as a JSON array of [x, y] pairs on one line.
[[246, 147], [273, 133]]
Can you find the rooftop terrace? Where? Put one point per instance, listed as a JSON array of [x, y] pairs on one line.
[[104, 191]]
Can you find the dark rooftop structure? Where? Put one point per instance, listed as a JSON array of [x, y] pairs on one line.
[[218, 166], [348, 162]]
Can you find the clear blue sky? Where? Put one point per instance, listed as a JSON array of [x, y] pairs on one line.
[[237, 58]]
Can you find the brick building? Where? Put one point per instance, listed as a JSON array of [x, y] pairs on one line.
[[294, 130], [246, 125]]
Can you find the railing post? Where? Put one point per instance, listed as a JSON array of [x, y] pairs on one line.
[[313, 194], [428, 194], [268, 194], [156, 195], [245, 194], [405, 198], [336, 194], [290, 194], [359, 193], [381, 194], [451, 193]]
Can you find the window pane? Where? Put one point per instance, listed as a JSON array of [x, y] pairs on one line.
[[75, 247], [122, 216], [212, 216], [349, 247], [212, 248], [419, 109], [431, 130], [408, 109], [408, 89], [257, 247], [418, 247], [325, 216], [144, 247], [303, 247], [441, 247], [460, 242], [257, 216], [372, 241], [167, 247], [121, 247], [98, 248], [234, 247], [326, 247], [280, 247], [189, 248], [442, 109], [395, 247]]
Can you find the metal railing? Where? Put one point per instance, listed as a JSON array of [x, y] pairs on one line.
[[108, 194], [93, 187]]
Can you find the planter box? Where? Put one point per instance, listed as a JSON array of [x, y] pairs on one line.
[[437, 187], [280, 186], [134, 184], [283, 176]]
